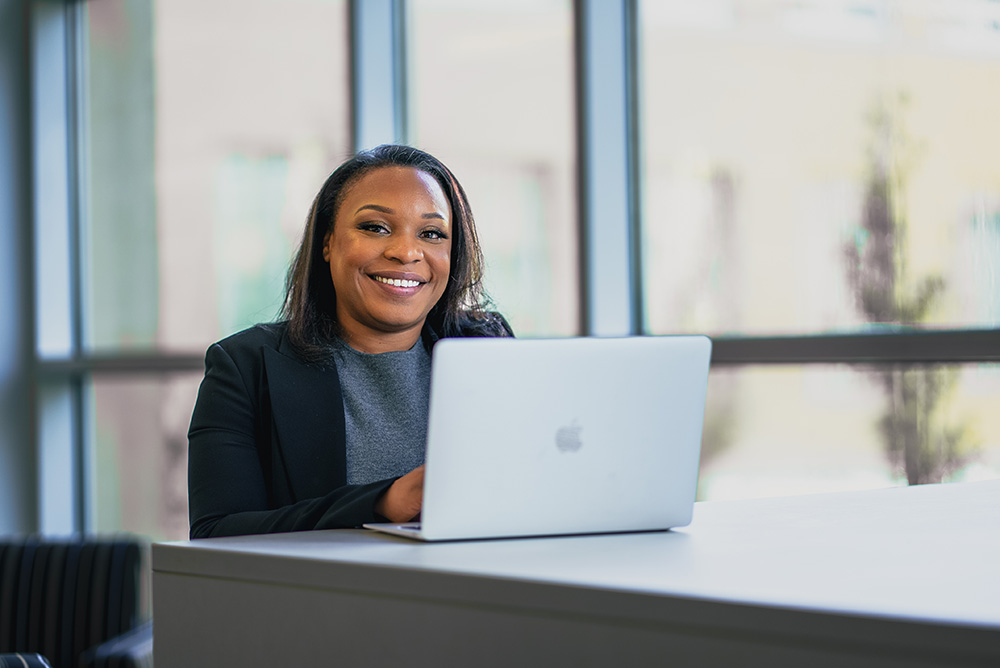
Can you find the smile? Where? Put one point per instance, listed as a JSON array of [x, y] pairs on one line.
[[397, 282]]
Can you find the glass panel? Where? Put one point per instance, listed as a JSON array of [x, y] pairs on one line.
[[210, 127], [769, 431], [492, 96], [139, 430], [820, 165], [781, 430]]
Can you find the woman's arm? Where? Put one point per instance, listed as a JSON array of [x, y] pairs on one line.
[[227, 490], [346, 507]]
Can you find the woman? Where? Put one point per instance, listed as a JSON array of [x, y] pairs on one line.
[[319, 421]]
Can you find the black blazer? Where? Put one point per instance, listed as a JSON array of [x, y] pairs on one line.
[[267, 443]]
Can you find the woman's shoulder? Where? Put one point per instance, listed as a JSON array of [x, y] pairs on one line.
[[252, 339], [484, 324]]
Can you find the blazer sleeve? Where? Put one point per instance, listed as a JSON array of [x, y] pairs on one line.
[[227, 489]]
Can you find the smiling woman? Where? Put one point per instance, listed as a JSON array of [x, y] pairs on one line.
[[389, 253], [319, 421]]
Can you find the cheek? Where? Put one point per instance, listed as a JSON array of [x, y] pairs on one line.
[[341, 273], [442, 265], [346, 258]]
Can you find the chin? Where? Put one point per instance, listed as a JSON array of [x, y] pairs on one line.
[[390, 324]]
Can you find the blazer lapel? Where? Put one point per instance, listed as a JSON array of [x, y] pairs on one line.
[[308, 414]]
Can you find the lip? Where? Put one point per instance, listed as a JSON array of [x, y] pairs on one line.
[[398, 290], [398, 275]]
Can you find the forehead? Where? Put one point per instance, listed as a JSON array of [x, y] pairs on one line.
[[396, 188]]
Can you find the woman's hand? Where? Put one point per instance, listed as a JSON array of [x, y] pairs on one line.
[[402, 501]]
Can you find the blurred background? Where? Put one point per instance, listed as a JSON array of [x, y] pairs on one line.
[[797, 171]]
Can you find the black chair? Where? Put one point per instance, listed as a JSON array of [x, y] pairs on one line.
[[72, 603], [18, 660]]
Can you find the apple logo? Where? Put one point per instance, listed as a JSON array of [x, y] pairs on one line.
[[568, 437]]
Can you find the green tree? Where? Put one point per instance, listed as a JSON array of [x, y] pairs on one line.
[[918, 441]]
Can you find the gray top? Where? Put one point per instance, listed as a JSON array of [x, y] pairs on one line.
[[386, 398]]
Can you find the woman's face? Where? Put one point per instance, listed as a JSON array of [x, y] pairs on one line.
[[390, 255]]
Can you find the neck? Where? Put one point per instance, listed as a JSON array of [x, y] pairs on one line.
[[373, 342]]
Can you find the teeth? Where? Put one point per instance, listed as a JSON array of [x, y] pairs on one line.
[[398, 282]]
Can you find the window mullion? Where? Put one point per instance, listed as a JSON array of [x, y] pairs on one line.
[[378, 72], [607, 164]]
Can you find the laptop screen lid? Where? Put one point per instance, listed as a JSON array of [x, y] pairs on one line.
[[560, 436]]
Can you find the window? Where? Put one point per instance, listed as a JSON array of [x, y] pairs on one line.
[[812, 183], [775, 430], [492, 96], [802, 155], [209, 127], [826, 168]]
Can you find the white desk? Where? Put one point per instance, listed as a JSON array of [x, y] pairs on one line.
[[895, 577]]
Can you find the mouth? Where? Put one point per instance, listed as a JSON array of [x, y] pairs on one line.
[[397, 282]]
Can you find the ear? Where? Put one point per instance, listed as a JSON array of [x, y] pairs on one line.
[[326, 246]]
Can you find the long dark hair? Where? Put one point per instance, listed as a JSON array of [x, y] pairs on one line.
[[310, 301]]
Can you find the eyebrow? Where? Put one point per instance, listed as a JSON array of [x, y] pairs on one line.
[[387, 210]]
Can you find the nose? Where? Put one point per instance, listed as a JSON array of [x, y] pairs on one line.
[[403, 249]]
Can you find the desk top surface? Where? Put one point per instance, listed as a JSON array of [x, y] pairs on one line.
[[928, 553]]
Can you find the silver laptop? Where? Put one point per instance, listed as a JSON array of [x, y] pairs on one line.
[[561, 436]]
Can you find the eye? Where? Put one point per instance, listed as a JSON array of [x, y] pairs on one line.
[[375, 227], [434, 234]]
